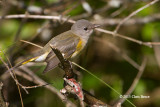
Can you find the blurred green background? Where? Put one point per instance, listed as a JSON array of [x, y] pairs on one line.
[[98, 57]]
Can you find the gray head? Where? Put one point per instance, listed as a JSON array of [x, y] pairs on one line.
[[83, 28]]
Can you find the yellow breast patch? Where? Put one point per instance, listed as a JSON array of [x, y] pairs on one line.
[[79, 46]]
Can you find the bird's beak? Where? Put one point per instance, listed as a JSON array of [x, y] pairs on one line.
[[96, 26]]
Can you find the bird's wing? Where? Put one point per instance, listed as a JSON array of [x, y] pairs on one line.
[[67, 45]]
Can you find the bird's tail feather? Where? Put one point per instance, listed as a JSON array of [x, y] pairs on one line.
[[22, 63], [51, 64]]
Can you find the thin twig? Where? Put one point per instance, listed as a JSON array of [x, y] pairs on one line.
[[119, 51], [14, 77], [135, 81], [66, 65], [35, 79], [27, 77], [117, 12], [155, 37], [16, 38], [149, 44], [38, 80], [102, 82], [39, 31], [134, 13], [131, 21], [69, 74], [23, 75], [31, 43], [36, 17], [2, 101]]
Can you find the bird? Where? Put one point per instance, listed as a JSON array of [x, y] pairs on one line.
[[69, 43]]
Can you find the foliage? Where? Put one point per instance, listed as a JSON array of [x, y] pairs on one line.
[[98, 57]]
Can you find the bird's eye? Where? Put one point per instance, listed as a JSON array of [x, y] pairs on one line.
[[85, 28]]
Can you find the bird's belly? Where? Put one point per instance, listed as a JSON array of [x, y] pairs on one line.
[[42, 57]]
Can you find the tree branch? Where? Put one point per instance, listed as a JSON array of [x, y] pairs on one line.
[[131, 21], [134, 13], [2, 102], [149, 44], [135, 81], [66, 66]]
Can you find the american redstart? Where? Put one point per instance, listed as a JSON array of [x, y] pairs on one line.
[[70, 43]]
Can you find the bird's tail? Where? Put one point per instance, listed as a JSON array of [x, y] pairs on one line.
[[52, 62], [22, 63]]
